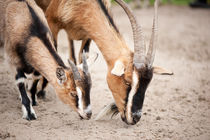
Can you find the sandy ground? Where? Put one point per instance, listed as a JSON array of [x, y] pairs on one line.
[[176, 107]]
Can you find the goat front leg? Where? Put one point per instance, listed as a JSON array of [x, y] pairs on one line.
[[33, 90], [28, 111], [71, 51], [85, 47], [43, 84]]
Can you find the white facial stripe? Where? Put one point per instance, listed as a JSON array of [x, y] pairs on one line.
[[130, 96], [80, 103], [20, 80]]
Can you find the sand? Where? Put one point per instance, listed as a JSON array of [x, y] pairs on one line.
[[176, 107]]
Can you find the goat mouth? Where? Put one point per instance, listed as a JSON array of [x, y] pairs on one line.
[[84, 118]]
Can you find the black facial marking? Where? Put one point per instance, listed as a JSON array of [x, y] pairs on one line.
[[39, 30], [127, 94], [77, 99], [103, 7], [138, 98], [86, 84]]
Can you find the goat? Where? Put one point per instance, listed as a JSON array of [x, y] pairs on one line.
[[85, 41], [129, 73], [30, 48]]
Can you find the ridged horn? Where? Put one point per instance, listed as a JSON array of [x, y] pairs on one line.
[[138, 37], [74, 70], [153, 41], [84, 63]]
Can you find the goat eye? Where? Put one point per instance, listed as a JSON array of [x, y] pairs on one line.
[[73, 95], [127, 83]]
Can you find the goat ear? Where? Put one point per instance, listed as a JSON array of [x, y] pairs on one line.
[[61, 75], [162, 71], [119, 68]]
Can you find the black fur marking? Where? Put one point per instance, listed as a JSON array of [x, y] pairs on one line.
[[21, 52], [138, 98], [39, 30], [87, 46], [42, 93], [73, 52], [127, 94], [36, 73], [77, 99], [103, 7], [87, 83], [33, 92]]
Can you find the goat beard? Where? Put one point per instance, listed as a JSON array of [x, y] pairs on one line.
[[109, 110]]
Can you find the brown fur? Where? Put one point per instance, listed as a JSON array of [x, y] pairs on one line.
[[83, 19], [74, 17], [17, 20]]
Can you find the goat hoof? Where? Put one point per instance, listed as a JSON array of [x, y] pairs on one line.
[[41, 94], [31, 116], [34, 103]]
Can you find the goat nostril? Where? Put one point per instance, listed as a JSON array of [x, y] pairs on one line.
[[136, 118], [89, 114]]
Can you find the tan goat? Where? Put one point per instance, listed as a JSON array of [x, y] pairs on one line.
[[29, 47], [129, 74]]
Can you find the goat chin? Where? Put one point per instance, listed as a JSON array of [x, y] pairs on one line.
[[109, 110]]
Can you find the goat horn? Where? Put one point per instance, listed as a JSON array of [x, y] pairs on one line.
[[139, 45], [153, 41], [84, 63], [74, 70]]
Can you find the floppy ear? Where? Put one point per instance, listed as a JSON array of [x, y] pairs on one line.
[[162, 71], [119, 68], [61, 75]]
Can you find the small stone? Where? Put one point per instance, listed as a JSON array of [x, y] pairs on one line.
[[158, 118]]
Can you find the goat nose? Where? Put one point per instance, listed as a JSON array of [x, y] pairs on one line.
[[89, 114], [136, 118]]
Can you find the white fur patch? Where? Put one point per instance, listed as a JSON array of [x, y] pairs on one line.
[[25, 113], [80, 103], [20, 80], [118, 69], [33, 112], [130, 97]]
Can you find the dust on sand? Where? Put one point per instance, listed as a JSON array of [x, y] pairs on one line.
[[176, 107]]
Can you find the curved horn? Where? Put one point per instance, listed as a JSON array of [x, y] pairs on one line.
[[84, 63], [153, 41], [74, 70], [139, 45]]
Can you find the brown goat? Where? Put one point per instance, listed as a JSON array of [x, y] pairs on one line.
[[29, 47], [129, 74]]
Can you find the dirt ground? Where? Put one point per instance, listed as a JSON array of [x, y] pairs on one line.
[[176, 107]]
